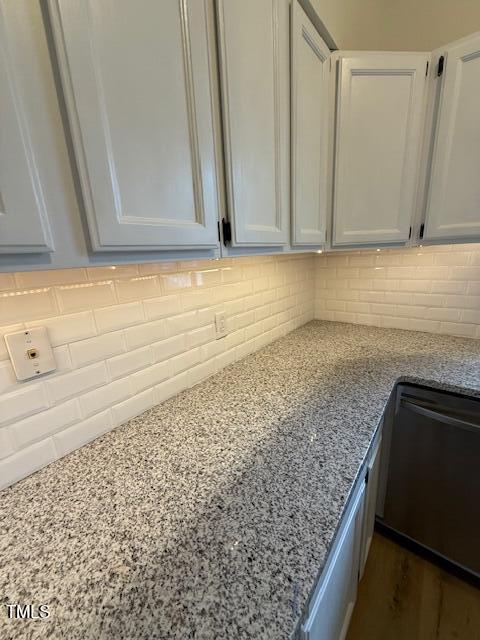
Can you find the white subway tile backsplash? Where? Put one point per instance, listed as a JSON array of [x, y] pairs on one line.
[[133, 407], [137, 288], [145, 333], [151, 376], [105, 396], [21, 402], [19, 306], [75, 383], [6, 444], [435, 288], [83, 432], [168, 348], [21, 464], [66, 329], [118, 316], [45, 423], [95, 349], [162, 307], [77, 297], [120, 366]]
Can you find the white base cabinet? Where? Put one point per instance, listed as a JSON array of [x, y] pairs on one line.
[[332, 604]]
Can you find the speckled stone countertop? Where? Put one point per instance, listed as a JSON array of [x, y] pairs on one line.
[[210, 516]]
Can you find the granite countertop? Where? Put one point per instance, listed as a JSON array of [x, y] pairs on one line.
[[210, 516]]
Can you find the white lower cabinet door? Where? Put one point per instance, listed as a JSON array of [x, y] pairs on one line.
[[255, 86], [137, 83], [371, 490], [310, 105], [453, 205], [333, 604], [24, 225], [379, 132]]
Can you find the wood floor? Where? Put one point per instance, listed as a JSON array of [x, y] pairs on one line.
[[404, 597]]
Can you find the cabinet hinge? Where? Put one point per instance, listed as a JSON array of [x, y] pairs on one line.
[[410, 233], [422, 229], [227, 231], [366, 476], [428, 64], [441, 64], [218, 230]]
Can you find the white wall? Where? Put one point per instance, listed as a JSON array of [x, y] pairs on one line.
[[398, 25], [128, 337], [433, 289]]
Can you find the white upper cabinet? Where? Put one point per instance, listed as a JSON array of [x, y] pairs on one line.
[[453, 205], [254, 61], [380, 116], [137, 85], [310, 105], [24, 226]]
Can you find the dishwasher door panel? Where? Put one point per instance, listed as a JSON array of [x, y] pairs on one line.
[[433, 480]]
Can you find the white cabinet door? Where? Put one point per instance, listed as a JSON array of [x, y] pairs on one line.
[[331, 612], [310, 103], [371, 490], [254, 61], [138, 90], [24, 226], [453, 207], [380, 113]]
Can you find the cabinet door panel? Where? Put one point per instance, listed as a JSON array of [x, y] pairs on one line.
[[24, 227], [379, 125], [330, 615], [254, 59], [310, 82], [137, 83], [371, 491], [453, 208]]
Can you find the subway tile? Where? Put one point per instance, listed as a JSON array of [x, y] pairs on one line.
[[105, 396], [171, 387], [465, 273], [69, 328], [77, 297], [35, 279], [76, 382], [212, 349], [447, 286], [145, 333], [200, 336], [176, 281], [118, 316], [151, 376], [22, 402], [96, 349], [458, 329], [162, 307], [45, 423], [7, 282], [127, 363], [6, 443], [20, 306], [13, 328], [8, 379], [80, 434], [138, 288], [23, 463], [429, 326], [186, 360], [151, 268], [170, 347], [445, 314], [112, 271], [200, 372], [133, 407], [207, 278], [194, 299], [181, 323]]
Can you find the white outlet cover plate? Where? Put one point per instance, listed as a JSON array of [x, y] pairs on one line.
[[35, 341]]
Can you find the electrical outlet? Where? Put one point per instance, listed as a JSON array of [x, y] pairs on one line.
[[220, 324], [30, 352]]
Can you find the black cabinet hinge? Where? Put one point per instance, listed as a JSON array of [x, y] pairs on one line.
[[410, 233], [441, 64], [422, 229], [218, 230], [428, 64], [367, 476], [227, 231]]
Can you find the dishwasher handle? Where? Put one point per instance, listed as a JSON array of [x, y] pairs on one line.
[[437, 415]]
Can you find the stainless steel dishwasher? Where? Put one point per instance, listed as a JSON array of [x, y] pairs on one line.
[[431, 475]]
